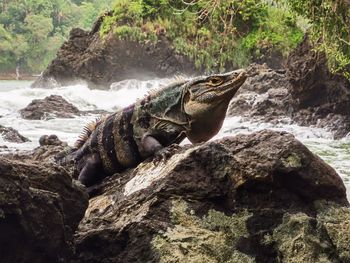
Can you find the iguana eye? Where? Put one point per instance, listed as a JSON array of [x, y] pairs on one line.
[[215, 81]]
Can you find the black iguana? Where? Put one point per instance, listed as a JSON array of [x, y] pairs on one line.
[[192, 108]]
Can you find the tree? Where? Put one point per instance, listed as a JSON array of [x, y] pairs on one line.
[[330, 29], [31, 31]]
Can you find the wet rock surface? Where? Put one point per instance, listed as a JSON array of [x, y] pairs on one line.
[[264, 96], [12, 135], [262, 197], [320, 95], [53, 106], [273, 96], [51, 140], [40, 208]]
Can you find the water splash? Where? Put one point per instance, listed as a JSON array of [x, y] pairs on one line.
[[15, 95]]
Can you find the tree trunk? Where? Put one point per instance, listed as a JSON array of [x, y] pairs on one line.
[[17, 72]]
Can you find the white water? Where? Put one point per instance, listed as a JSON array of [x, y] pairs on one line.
[[15, 95]]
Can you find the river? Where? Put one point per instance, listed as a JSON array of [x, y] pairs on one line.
[[15, 95]]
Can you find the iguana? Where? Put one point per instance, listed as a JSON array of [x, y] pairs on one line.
[[193, 108]]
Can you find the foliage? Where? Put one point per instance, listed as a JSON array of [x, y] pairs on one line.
[[31, 31], [216, 34], [330, 29], [279, 32]]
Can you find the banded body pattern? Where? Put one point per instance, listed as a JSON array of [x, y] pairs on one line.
[[114, 142], [192, 108]]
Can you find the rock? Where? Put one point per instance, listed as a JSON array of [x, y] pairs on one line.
[[53, 106], [316, 91], [264, 96], [51, 140], [262, 197], [40, 208], [11, 135], [101, 61], [272, 96]]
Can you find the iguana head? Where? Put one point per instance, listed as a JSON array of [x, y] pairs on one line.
[[205, 101]]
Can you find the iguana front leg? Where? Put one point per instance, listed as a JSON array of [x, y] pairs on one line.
[[89, 175], [152, 147]]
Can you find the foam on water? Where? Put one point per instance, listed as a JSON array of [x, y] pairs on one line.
[[80, 95], [17, 95]]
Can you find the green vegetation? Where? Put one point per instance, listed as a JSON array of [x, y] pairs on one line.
[[216, 34], [31, 31], [330, 29]]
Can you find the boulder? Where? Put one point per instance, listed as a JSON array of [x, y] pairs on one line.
[[12, 135], [262, 197], [40, 208], [53, 106], [51, 140]]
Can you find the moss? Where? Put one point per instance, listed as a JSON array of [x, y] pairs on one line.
[[336, 220], [298, 240], [212, 238], [292, 161]]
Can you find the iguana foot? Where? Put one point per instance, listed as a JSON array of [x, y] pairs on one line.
[[165, 153]]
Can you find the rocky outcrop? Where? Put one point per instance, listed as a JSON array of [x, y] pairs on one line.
[[264, 96], [101, 61], [40, 208], [321, 98], [273, 96], [12, 135], [262, 197], [53, 106]]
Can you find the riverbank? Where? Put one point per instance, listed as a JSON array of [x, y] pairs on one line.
[[12, 76]]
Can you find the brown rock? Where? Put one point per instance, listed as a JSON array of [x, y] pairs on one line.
[[316, 98], [40, 208], [51, 140], [102, 61], [323, 96], [264, 96], [53, 106], [11, 135], [240, 199]]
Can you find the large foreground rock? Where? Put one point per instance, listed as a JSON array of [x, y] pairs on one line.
[[40, 208], [262, 197]]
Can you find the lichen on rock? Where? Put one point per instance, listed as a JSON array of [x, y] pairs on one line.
[[336, 222], [298, 240], [212, 238]]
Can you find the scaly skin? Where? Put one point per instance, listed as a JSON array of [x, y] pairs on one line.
[[194, 108]]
